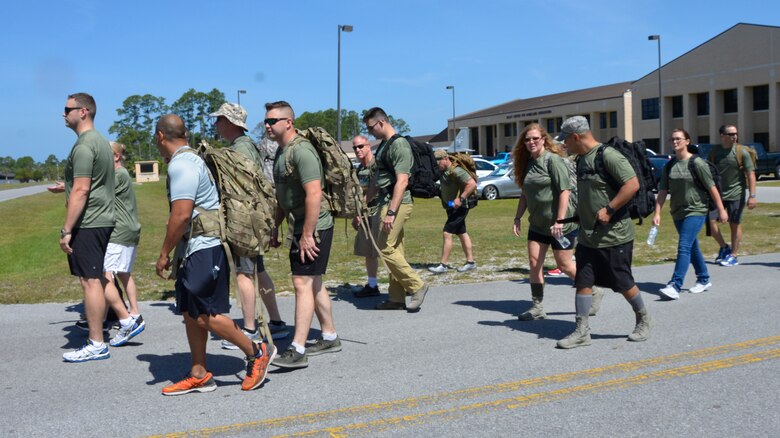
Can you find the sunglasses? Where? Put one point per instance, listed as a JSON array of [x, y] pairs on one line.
[[533, 139], [730, 134], [272, 122], [69, 109], [360, 146]]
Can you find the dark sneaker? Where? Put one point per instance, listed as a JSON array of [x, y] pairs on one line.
[[723, 253], [191, 384], [279, 330], [82, 324], [291, 359], [417, 298], [390, 305], [257, 367], [367, 291], [322, 346]]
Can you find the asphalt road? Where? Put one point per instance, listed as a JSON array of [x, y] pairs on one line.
[[463, 366], [6, 195]]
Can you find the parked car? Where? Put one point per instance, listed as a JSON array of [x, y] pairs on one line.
[[499, 184], [502, 157], [484, 167], [658, 162], [767, 163]]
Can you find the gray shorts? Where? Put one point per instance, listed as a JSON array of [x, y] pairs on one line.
[[363, 246], [247, 265]]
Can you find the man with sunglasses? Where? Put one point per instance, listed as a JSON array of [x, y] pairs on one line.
[[395, 204], [89, 217], [733, 180], [363, 244], [231, 125], [300, 180]]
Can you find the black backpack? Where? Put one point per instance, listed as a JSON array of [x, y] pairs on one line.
[[425, 172], [643, 202], [698, 182]]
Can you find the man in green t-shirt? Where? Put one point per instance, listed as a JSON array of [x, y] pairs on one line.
[[89, 219], [364, 243], [394, 162], [736, 175], [457, 189], [300, 181], [231, 125], [606, 238]]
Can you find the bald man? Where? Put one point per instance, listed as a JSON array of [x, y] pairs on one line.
[[363, 245]]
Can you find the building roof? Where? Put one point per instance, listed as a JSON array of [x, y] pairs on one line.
[[440, 137], [565, 98]]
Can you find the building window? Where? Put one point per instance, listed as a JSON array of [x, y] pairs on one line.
[[650, 108], [652, 144], [761, 137], [613, 123], [703, 139], [677, 107], [602, 120], [507, 129], [761, 98], [551, 128], [730, 101], [703, 104]]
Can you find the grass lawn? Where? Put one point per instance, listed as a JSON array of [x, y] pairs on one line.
[[34, 270]]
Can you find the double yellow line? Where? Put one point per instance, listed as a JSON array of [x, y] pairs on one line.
[[520, 401]]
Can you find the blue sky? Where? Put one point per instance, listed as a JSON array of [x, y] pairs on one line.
[[401, 54]]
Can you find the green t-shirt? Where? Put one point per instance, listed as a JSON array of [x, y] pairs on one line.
[[687, 199], [453, 181], [245, 145], [732, 181], [365, 174], [127, 230], [306, 167], [92, 157], [593, 194], [542, 188], [399, 154]]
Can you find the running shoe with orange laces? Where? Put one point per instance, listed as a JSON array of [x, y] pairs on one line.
[[191, 384], [257, 367]]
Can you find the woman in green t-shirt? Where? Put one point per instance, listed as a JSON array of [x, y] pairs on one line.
[[689, 207], [543, 176]]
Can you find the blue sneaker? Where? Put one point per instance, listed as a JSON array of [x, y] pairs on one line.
[[723, 253], [126, 333], [730, 260]]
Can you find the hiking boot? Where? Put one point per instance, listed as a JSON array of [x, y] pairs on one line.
[[279, 330], [535, 312], [191, 384], [390, 305], [440, 269], [291, 359], [86, 353], [367, 291], [669, 292], [254, 337], [468, 266], [579, 338], [257, 367], [729, 260], [723, 253], [555, 273], [643, 325], [417, 298], [595, 304], [124, 334], [82, 324], [700, 287], [322, 346]]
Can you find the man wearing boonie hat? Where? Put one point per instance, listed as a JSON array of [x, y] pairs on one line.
[[231, 125]]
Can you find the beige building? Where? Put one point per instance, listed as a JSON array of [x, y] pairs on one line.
[[730, 79]]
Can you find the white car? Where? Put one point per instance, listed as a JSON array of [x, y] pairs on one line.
[[484, 167]]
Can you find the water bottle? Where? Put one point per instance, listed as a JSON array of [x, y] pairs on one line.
[[652, 235], [451, 204], [563, 241]]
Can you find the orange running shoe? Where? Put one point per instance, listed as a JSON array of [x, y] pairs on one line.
[[191, 384], [257, 367]]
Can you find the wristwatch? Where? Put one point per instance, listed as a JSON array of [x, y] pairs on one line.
[[753, 195], [64, 233], [610, 210], [462, 200], [390, 212]]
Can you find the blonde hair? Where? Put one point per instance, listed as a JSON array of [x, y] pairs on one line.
[[521, 155], [118, 148]]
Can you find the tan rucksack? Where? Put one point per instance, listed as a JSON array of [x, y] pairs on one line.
[[465, 161]]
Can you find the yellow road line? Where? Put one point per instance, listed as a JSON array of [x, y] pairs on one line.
[[433, 399]]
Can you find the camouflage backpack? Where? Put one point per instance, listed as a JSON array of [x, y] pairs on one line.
[[342, 186], [465, 161], [247, 203]]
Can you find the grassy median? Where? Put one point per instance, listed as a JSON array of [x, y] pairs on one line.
[[34, 270]]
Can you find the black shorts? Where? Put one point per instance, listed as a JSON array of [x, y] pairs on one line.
[[605, 267], [248, 265], [203, 283], [89, 250], [456, 220], [552, 241], [733, 208], [317, 266]]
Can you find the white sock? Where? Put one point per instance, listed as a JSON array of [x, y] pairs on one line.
[[96, 344], [329, 336], [299, 348], [372, 281], [126, 322]]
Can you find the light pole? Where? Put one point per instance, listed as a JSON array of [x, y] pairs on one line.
[[660, 96], [238, 94], [454, 134], [345, 28]]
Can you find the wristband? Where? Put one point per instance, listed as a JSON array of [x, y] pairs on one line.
[[753, 195], [64, 233], [390, 212], [610, 210]]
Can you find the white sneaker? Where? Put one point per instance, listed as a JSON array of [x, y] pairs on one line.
[[87, 352], [124, 334], [440, 269], [669, 292], [699, 288], [468, 266], [254, 337]]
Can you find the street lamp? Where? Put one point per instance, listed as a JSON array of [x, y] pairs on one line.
[[238, 94], [345, 28], [452, 87], [660, 96]]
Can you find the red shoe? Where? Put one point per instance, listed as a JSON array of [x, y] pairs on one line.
[[257, 367], [191, 384], [555, 273]]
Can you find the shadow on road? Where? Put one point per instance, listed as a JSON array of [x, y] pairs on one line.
[[169, 368]]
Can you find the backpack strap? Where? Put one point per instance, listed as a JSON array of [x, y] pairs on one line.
[[386, 161], [738, 152], [668, 169]]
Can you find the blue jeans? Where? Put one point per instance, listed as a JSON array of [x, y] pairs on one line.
[[688, 251]]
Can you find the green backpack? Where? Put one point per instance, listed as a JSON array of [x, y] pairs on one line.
[[342, 186]]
